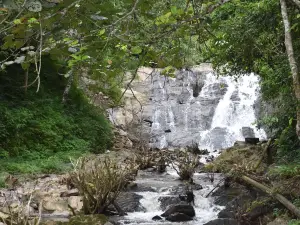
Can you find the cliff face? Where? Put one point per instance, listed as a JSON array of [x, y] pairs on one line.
[[193, 107]]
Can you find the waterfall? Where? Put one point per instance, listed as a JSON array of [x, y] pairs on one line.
[[234, 111], [214, 119]]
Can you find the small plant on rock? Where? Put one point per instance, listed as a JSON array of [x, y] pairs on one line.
[[185, 165], [100, 181]]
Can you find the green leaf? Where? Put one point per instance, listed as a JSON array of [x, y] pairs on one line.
[[17, 21], [101, 32], [291, 121], [174, 10], [25, 65], [33, 20], [74, 43], [136, 50], [84, 57]]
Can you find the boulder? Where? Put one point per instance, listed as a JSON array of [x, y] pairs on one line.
[[223, 222], [166, 201], [178, 217], [130, 202], [248, 132], [253, 141], [155, 218], [55, 204], [182, 209]]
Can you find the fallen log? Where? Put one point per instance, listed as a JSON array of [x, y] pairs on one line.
[[290, 206]]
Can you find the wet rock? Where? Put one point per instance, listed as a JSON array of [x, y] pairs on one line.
[[166, 201], [218, 137], [235, 96], [152, 169], [248, 132], [223, 222], [130, 202], [209, 158], [131, 186], [197, 187], [140, 188], [183, 97], [225, 195], [203, 152], [236, 204], [155, 218], [182, 209], [178, 217], [178, 190]]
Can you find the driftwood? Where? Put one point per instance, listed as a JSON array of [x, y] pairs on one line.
[[268, 190], [263, 154]]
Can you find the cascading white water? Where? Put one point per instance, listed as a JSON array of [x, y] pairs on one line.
[[187, 84], [233, 114], [204, 207]]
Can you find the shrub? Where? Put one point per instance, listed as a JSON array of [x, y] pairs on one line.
[[100, 181], [19, 214], [185, 165]]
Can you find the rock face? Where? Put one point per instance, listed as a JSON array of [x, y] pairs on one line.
[[195, 101]]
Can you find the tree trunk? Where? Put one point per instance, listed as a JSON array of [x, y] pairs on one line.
[[292, 61], [279, 197], [68, 86]]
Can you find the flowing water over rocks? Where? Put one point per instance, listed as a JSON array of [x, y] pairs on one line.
[[165, 191]]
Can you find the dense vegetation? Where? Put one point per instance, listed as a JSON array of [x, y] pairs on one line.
[[39, 133]]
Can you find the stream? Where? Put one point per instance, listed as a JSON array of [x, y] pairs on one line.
[[168, 185]]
